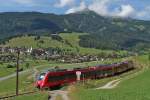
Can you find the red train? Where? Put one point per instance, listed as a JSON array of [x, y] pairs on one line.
[[57, 77]]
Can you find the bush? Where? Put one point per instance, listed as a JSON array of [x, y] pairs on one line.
[[27, 65], [11, 66]]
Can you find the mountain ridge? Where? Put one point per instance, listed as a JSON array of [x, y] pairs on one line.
[[105, 32]]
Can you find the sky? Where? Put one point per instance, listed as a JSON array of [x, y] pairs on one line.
[[138, 9]]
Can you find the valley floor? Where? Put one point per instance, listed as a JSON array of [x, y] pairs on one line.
[[133, 85]]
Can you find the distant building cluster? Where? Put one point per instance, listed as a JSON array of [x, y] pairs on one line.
[[15, 49], [52, 54]]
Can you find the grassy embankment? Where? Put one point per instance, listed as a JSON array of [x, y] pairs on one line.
[[131, 87]]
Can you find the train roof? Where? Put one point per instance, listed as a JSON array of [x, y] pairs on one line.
[[54, 70], [62, 70], [78, 68], [109, 65]]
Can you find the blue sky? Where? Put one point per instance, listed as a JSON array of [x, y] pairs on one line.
[[138, 9]]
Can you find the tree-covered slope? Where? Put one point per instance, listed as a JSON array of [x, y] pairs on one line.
[[105, 33]]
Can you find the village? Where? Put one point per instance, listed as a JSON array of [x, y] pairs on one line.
[[52, 54]]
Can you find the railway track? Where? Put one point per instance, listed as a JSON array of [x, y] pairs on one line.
[[12, 96]]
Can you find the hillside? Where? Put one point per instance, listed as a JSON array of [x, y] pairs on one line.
[[69, 41], [105, 33]]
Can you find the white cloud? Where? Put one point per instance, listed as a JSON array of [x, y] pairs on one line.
[[106, 8], [125, 11], [81, 7], [102, 8], [63, 3]]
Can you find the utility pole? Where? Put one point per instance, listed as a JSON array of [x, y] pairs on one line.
[[149, 59], [17, 73]]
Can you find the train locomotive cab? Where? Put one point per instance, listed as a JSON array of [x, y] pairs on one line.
[[40, 80]]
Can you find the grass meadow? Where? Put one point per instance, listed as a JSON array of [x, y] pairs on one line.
[[130, 88]]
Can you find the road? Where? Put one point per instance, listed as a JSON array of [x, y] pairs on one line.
[[20, 73], [55, 93], [110, 85], [13, 75]]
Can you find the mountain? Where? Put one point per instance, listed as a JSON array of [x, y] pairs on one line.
[[105, 32]]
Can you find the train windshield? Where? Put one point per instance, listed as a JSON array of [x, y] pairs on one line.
[[41, 76]]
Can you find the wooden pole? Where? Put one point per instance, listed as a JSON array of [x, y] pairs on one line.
[[149, 59], [17, 73]]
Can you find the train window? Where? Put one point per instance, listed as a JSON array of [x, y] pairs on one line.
[[55, 78], [58, 78], [41, 76], [70, 75], [106, 72], [88, 74]]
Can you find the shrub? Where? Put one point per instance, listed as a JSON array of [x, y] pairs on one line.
[[11, 66]]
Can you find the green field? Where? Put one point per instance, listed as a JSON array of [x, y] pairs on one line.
[[24, 42], [47, 41], [136, 88], [36, 96], [5, 71], [32, 64]]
